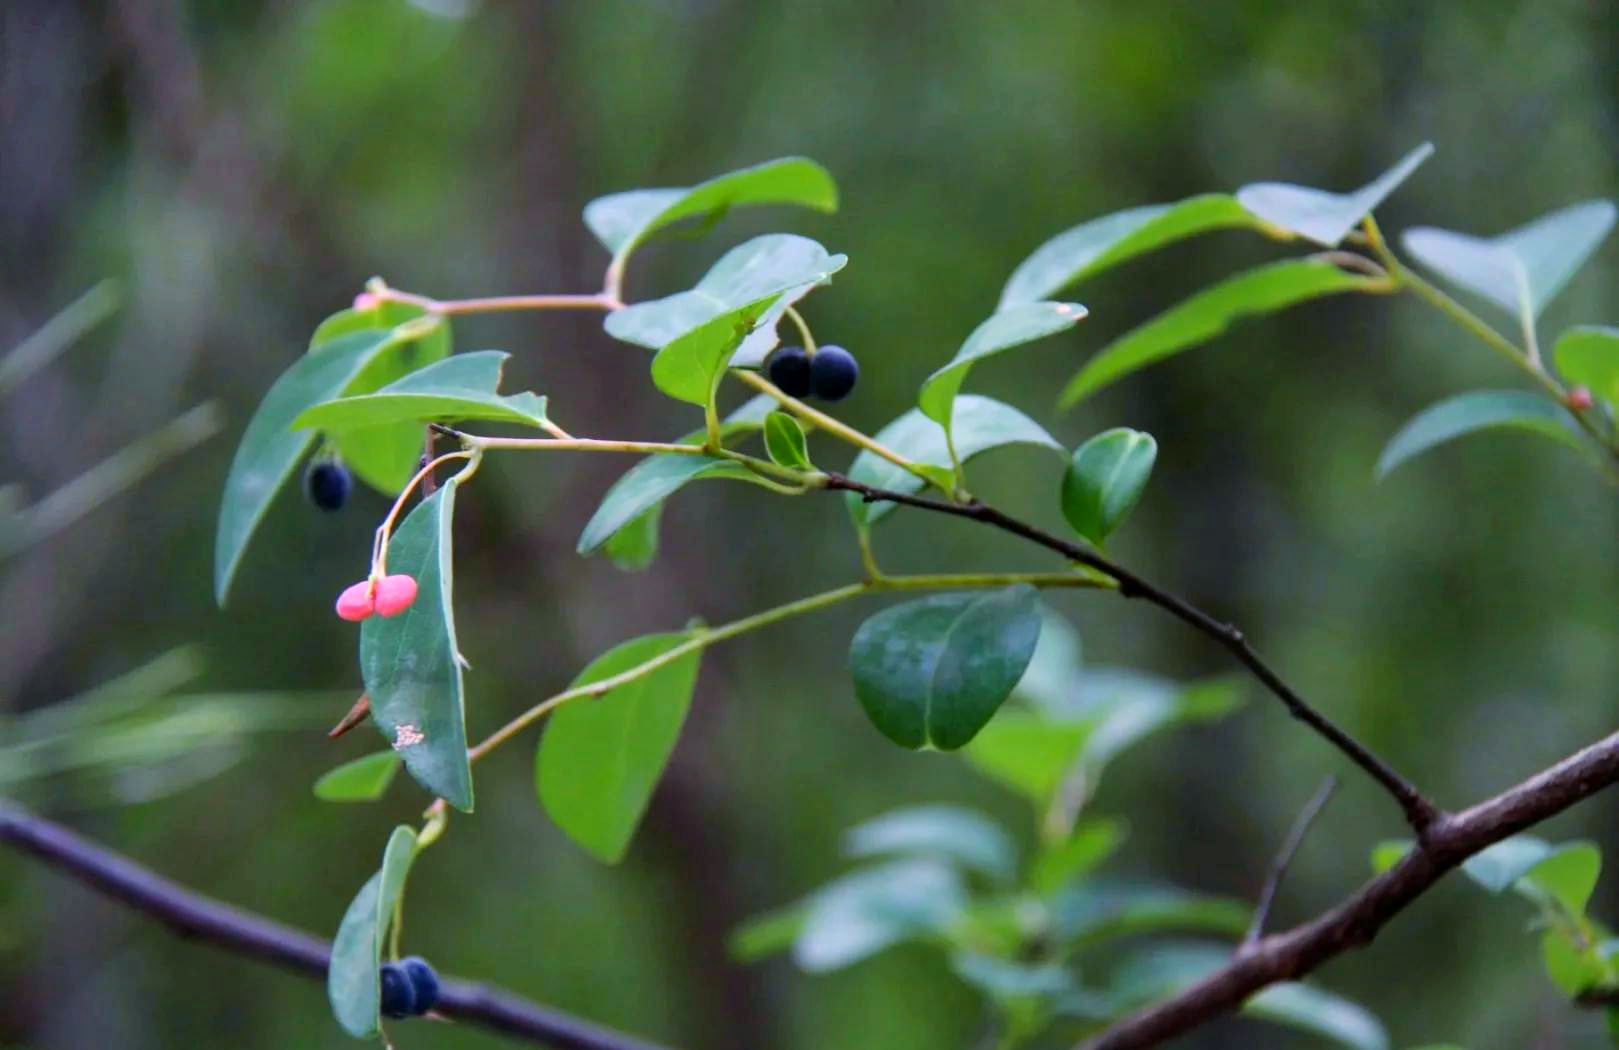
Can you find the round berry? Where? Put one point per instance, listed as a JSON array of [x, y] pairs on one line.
[[789, 369], [398, 992], [1580, 399], [832, 373], [423, 982], [394, 594], [356, 602], [328, 484]]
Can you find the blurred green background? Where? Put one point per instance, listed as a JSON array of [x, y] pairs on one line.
[[242, 168]]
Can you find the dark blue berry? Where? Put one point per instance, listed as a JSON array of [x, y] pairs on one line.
[[423, 981], [398, 992], [328, 484], [789, 369], [832, 372]]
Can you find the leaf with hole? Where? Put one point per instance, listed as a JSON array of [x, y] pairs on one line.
[[601, 756], [362, 780], [1011, 327], [1588, 356], [981, 424], [1100, 244], [931, 672], [411, 663], [1478, 410], [456, 389], [1210, 312], [352, 977], [948, 833], [1105, 478], [1326, 218], [1522, 270]]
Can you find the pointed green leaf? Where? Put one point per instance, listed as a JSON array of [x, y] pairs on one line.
[[1105, 478], [1567, 875], [1005, 980], [1588, 356], [1099, 244], [601, 757], [622, 221], [1205, 315], [1571, 966], [1498, 867], [1479, 410], [1310, 1009], [270, 449], [981, 424], [1026, 752], [931, 672], [949, 833], [864, 912], [362, 780], [411, 663], [765, 935], [1388, 853], [352, 982], [1103, 909], [635, 546], [1061, 863], [1522, 270], [784, 440], [455, 389], [1326, 218], [1011, 327]]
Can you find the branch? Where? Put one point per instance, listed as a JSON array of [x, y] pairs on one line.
[[1284, 857], [194, 916], [1353, 923], [1419, 812]]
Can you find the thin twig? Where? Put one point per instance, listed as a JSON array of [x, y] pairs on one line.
[[1419, 812], [1284, 857], [356, 715], [195, 916]]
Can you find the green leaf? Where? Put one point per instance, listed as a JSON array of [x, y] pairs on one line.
[[1522, 270], [784, 440], [1571, 968], [411, 663], [981, 424], [1105, 910], [601, 757], [352, 978], [635, 546], [931, 672], [1027, 752], [1326, 218], [362, 780], [270, 449], [1011, 327], [866, 911], [1097, 245], [385, 456], [1567, 875], [1478, 410], [767, 934], [1061, 863], [1588, 356], [948, 833], [1498, 867], [1105, 478], [622, 221], [1205, 315], [1003, 979], [1388, 853], [455, 389], [1310, 1009]]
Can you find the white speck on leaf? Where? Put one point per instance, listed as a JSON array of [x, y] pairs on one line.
[[405, 736]]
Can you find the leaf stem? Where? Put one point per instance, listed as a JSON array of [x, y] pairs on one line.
[[379, 545], [495, 304], [803, 330]]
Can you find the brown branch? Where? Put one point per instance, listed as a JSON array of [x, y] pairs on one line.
[[1419, 812], [1352, 924], [1284, 857], [194, 916]]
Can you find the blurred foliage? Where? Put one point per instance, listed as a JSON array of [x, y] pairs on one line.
[[241, 169]]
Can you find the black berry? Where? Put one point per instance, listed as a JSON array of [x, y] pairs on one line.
[[328, 484], [789, 369], [398, 992], [832, 372], [423, 981]]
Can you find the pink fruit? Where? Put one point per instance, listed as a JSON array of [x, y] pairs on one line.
[[394, 594], [1580, 399], [356, 603], [367, 301]]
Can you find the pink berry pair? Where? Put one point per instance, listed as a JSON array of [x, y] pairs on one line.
[[388, 596]]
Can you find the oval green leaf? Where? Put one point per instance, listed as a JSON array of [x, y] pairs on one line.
[[931, 672], [785, 442], [1011, 327], [1205, 315], [1310, 1009], [867, 911], [1588, 356], [601, 757], [453, 390], [622, 221], [950, 833], [352, 982], [1105, 478], [1522, 270], [1097, 245], [1479, 410], [410, 662], [362, 780], [981, 424], [1326, 218]]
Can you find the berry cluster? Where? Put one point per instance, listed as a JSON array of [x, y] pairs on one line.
[[388, 596], [828, 374], [409, 988]]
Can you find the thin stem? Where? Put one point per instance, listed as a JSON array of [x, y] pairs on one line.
[[798, 481], [1284, 857], [496, 303], [803, 330], [379, 545]]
